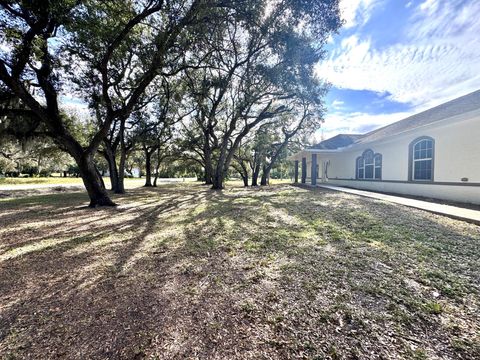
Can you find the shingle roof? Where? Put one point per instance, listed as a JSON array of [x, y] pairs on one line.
[[446, 110], [337, 141], [458, 106]]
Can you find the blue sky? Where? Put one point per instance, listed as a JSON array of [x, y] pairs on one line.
[[395, 58]]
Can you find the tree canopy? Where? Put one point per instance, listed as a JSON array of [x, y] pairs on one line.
[[192, 79]]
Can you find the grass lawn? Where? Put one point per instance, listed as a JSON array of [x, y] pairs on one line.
[[182, 272], [52, 181]]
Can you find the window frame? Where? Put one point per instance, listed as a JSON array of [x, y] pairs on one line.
[[412, 161], [375, 166], [361, 165]]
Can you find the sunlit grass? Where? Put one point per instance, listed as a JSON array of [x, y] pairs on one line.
[[283, 271], [55, 180], [39, 180]]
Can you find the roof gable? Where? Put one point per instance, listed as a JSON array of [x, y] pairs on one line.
[[461, 105], [337, 141], [458, 106]]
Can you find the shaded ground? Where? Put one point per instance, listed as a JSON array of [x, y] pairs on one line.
[[11, 192], [184, 272]]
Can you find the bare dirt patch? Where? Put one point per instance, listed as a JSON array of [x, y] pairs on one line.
[[185, 272]]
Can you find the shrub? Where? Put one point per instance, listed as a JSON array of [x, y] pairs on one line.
[[45, 173]]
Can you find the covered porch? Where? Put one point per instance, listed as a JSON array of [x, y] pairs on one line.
[[311, 166]]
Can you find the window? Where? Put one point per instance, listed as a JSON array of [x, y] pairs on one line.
[[421, 159], [368, 163], [378, 166], [369, 166], [360, 168]]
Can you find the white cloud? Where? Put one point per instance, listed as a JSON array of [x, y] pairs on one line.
[[438, 60], [75, 107], [356, 12], [429, 6], [357, 122], [337, 104]]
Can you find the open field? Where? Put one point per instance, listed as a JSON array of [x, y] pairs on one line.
[[25, 187], [11, 181], [283, 272], [39, 180]]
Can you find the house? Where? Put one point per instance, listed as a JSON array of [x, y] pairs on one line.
[[434, 154]]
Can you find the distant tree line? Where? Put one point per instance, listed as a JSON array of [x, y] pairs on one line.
[[217, 86]]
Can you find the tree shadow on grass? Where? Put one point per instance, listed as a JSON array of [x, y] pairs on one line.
[[353, 261], [185, 272], [50, 274], [408, 274]]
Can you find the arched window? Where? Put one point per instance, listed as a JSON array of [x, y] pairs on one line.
[[360, 168], [369, 165], [422, 152], [378, 166]]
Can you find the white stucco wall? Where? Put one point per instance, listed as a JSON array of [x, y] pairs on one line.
[[457, 156], [466, 194]]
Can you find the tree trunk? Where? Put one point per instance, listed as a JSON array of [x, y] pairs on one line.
[[121, 176], [148, 168], [97, 193], [207, 177], [265, 177], [208, 171], [245, 180], [220, 170], [268, 166], [157, 167], [207, 154], [255, 173], [243, 172], [217, 181], [109, 155], [87, 170], [121, 165], [101, 178]]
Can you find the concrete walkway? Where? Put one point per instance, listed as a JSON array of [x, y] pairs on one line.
[[447, 210]]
